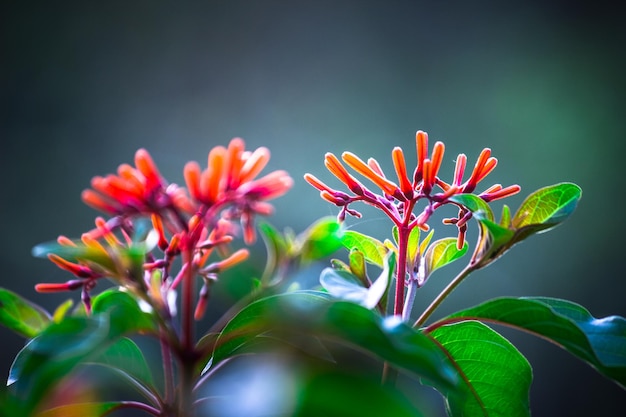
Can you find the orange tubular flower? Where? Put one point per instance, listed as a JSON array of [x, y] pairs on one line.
[[134, 190], [230, 179]]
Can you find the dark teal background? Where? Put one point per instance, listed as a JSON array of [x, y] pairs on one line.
[[541, 83]]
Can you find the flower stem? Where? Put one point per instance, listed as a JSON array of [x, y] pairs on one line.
[[443, 294], [403, 239]]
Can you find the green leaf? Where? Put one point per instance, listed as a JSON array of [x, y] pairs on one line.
[[358, 266], [373, 249], [442, 252], [494, 240], [314, 314], [334, 394], [21, 315], [321, 239], [126, 316], [54, 353], [126, 359], [599, 342], [474, 204], [413, 244], [277, 250], [548, 206], [81, 410], [61, 311], [495, 374]]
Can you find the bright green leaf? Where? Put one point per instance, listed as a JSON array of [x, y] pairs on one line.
[[357, 265], [314, 314], [413, 244], [373, 249], [21, 315], [321, 239], [426, 241], [442, 252], [548, 206], [495, 374], [599, 342], [61, 311], [474, 204], [505, 219]]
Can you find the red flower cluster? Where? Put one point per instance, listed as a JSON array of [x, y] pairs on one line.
[[399, 199], [188, 225]]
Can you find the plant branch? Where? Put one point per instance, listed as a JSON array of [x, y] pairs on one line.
[[443, 294]]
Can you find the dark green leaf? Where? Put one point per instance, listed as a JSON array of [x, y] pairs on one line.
[[373, 249], [54, 353], [345, 395], [313, 313], [125, 358], [599, 342], [496, 376], [442, 252], [21, 315], [126, 316]]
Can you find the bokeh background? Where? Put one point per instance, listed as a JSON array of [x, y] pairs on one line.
[[541, 83]]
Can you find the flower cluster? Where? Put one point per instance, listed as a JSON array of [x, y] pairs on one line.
[[152, 223], [399, 199]]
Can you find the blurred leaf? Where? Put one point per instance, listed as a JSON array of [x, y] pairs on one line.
[[321, 239], [77, 253], [599, 342], [277, 249], [22, 316], [442, 252], [496, 377], [127, 360], [61, 311], [474, 204], [81, 410], [126, 316], [548, 206], [345, 395], [314, 314], [54, 353], [373, 249]]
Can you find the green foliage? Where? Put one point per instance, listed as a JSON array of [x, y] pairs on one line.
[[312, 313], [373, 249], [599, 342], [441, 253], [22, 316], [496, 377]]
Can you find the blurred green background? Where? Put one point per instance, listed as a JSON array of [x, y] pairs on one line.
[[541, 83]]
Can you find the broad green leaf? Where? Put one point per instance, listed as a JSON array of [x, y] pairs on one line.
[[314, 314], [334, 394], [599, 342], [81, 410], [373, 249], [126, 315], [54, 353], [127, 360], [21, 315], [496, 377], [548, 206], [442, 252], [474, 204], [321, 239]]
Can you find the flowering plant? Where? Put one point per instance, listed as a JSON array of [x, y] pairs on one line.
[[163, 247]]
